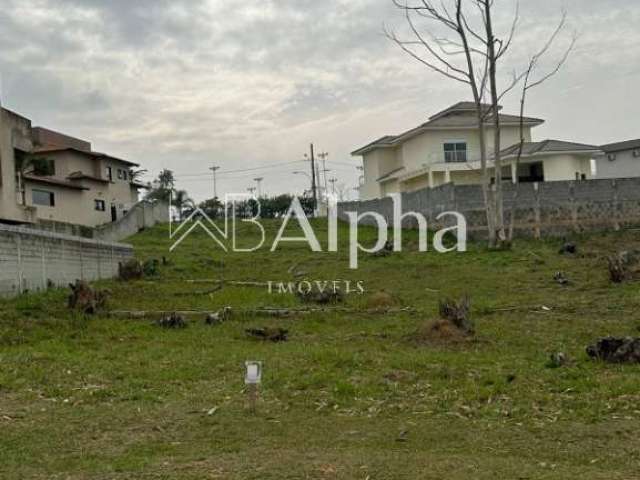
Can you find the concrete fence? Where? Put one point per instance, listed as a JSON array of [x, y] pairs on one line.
[[540, 209], [35, 260], [144, 214]]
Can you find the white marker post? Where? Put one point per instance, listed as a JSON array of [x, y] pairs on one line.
[[253, 378]]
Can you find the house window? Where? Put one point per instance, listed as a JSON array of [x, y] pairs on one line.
[[110, 174], [455, 152], [124, 175], [119, 174], [44, 198], [100, 205]]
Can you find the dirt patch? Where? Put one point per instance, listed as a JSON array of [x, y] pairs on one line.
[[381, 299], [441, 332]]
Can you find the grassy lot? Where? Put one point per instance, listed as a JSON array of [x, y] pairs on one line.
[[351, 395]]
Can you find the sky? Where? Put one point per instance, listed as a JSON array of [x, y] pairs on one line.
[[247, 86]]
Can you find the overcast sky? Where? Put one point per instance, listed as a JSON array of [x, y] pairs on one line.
[[184, 84]]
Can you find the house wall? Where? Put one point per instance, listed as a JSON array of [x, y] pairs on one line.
[[15, 132], [565, 167], [624, 166], [78, 207], [428, 148], [376, 164], [35, 260]]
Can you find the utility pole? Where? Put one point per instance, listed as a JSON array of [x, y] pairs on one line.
[[313, 181], [333, 181], [324, 156], [259, 182], [214, 169]]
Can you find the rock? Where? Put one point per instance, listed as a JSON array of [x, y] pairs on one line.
[[268, 334], [569, 248], [218, 317], [172, 321], [616, 350], [86, 299]]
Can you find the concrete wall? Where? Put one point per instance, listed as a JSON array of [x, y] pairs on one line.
[[33, 260], [541, 209], [144, 214]]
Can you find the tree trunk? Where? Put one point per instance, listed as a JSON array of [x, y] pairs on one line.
[[498, 204]]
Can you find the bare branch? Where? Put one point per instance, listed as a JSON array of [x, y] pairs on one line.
[[505, 47]]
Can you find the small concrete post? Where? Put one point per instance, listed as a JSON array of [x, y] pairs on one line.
[[617, 207], [538, 216]]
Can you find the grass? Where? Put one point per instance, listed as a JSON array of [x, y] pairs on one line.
[[351, 395]]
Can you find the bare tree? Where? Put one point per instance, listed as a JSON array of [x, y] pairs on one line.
[[482, 52], [529, 82]]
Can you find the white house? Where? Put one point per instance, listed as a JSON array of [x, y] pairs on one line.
[[447, 149], [620, 160]]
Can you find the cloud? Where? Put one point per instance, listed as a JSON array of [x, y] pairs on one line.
[[182, 84]]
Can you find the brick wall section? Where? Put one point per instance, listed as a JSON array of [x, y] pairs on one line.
[[30, 260], [541, 209]]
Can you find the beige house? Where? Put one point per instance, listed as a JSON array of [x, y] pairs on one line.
[[447, 149], [50, 176]]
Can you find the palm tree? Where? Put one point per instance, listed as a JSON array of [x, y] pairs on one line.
[[182, 201]]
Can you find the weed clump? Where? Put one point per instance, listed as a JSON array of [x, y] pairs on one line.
[[453, 327], [172, 321], [85, 299], [130, 270], [308, 292], [624, 266]]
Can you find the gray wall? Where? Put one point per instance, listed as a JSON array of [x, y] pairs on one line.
[[541, 209], [624, 165], [32, 260], [144, 214]]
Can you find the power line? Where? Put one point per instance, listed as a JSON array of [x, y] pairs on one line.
[[241, 170]]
